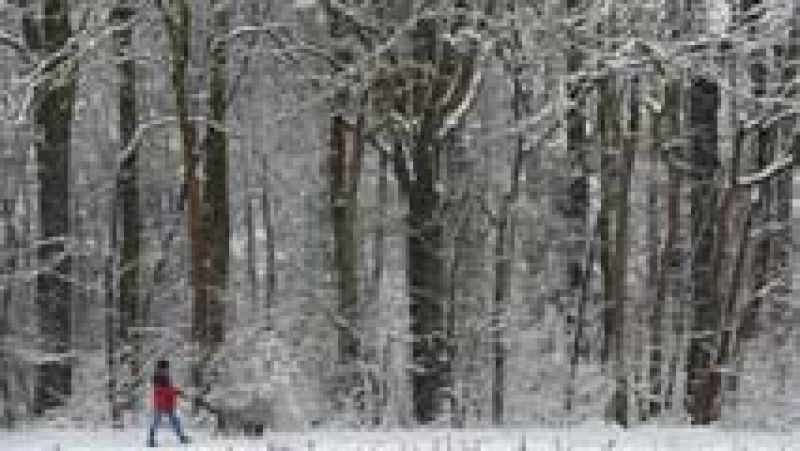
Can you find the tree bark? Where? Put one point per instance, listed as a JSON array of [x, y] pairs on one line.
[[206, 330], [344, 173], [216, 180], [616, 165], [425, 267], [666, 291], [504, 256], [703, 378], [266, 212], [53, 103], [127, 203], [344, 169], [621, 252]]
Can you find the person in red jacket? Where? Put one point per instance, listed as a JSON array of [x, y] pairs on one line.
[[165, 397]]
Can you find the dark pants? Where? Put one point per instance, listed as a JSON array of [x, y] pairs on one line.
[[173, 421]]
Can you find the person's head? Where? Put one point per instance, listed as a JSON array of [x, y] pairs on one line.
[[162, 365]]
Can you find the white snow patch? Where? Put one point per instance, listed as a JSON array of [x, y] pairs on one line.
[[304, 3], [582, 437]]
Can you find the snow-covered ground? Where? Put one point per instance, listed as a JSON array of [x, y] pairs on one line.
[[575, 439]]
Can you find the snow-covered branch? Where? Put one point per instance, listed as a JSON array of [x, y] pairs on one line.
[[453, 118], [15, 43], [772, 169], [76, 47]]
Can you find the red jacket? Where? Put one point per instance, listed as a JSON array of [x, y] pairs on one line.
[[164, 398]]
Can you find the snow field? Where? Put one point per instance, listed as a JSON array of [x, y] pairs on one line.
[[574, 439]]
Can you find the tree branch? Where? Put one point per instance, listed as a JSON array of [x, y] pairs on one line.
[[778, 166]]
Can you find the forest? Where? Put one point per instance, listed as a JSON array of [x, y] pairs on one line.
[[399, 214]]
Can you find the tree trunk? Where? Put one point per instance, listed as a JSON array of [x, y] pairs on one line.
[[176, 16], [53, 118], [703, 377], [216, 181], [670, 256], [615, 180], [762, 215], [266, 206], [430, 348], [576, 203], [344, 171], [251, 249], [621, 241], [112, 323], [379, 388], [502, 279], [503, 256], [425, 271], [127, 203], [441, 83]]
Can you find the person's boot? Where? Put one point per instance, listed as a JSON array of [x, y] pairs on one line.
[[151, 443], [184, 439]]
